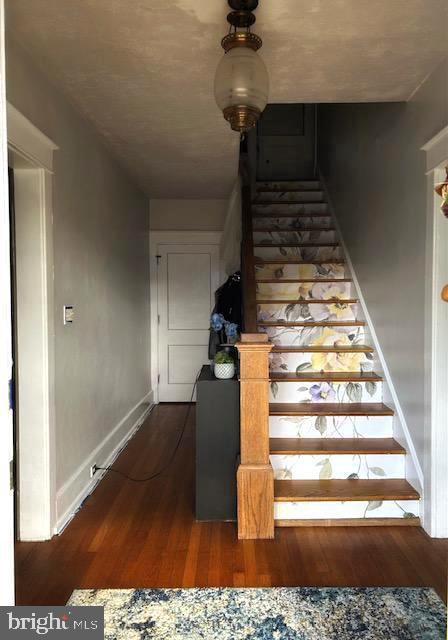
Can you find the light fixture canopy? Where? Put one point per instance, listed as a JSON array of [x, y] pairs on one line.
[[241, 80]]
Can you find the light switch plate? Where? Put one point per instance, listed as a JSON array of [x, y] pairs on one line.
[[69, 314]]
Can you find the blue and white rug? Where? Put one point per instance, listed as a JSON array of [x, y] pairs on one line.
[[305, 613]]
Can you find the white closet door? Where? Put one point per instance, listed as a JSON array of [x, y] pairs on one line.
[[188, 276]]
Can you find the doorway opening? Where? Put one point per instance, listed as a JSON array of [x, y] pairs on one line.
[[33, 328], [286, 142]]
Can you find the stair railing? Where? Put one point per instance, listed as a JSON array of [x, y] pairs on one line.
[[247, 245], [255, 477]]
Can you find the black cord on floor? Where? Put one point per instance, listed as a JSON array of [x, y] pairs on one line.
[[179, 440]]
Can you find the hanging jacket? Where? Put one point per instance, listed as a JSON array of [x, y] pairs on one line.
[[228, 302]]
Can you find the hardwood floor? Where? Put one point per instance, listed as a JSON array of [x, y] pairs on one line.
[[144, 535]]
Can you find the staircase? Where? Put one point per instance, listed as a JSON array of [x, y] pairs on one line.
[[331, 441]]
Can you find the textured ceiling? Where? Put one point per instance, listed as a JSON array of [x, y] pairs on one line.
[[142, 70]]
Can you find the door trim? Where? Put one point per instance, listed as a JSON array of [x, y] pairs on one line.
[[37, 511], [157, 238], [6, 424], [436, 345]]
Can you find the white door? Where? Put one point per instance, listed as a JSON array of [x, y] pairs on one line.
[[188, 276]]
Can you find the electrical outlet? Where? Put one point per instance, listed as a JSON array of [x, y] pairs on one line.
[[93, 470]]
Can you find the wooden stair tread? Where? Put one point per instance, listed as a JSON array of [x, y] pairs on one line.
[[317, 446], [359, 348], [321, 376], [293, 280], [343, 490], [330, 323], [312, 301], [329, 409]]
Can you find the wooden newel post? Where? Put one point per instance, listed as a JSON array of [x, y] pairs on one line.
[[255, 477]]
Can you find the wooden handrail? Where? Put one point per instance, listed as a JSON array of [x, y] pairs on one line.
[[247, 245]]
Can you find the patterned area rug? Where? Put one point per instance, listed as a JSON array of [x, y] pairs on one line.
[[269, 614]]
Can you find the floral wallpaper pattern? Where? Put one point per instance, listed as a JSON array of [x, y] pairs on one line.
[[299, 271], [302, 311], [321, 467], [303, 185], [330, 426], [369, 391], [298, 253], [292, 208], [295, 223], [328, 361], [292, 236], [311, 291], [290, 196], [308, 335]]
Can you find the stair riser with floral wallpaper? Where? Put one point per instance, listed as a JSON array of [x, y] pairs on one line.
[[290, 196], [318, 311], [330, 427], [300, 185], [304, 254], [309, 336], [334, 510], [296, 223], [336, 466], [369, 391], [302, 271], [290, 208], [304, 290], [293, 236], [333, 361]]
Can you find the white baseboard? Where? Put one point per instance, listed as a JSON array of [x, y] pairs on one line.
[[73, 492], [414, 471]]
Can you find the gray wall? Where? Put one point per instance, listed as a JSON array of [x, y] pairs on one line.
[[230, 249], [101, 266], [371, 160], [188, 214]]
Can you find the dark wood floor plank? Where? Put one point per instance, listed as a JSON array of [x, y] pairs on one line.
[[129, 535]]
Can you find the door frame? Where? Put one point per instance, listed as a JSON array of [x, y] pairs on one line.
[[7, 586], [37, 464], [157, 238], [436, 345]]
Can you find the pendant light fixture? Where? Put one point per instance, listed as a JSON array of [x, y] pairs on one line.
[[241, 80]]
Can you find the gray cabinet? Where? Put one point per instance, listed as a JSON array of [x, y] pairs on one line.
[[217, 446]]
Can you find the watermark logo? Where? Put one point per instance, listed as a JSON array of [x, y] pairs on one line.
[[72, 623]]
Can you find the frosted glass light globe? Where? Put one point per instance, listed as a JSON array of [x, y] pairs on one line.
[[241, 80]]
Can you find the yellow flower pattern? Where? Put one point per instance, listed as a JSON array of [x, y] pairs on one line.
[[335, 361]]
